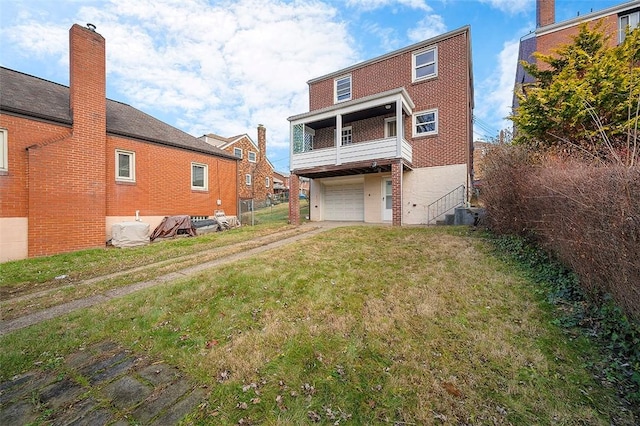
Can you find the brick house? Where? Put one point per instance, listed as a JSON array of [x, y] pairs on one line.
[[385, 139], [255, 171], [74, 163], [550, 34]]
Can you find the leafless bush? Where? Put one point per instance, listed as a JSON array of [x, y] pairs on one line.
[[588, 216]]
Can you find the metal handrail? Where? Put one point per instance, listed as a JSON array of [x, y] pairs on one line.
[[446, 203]]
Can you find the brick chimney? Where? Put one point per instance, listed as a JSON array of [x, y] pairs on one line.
[[545, 12], [262, 141], [87, 82]]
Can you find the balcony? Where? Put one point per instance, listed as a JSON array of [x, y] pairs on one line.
[[374, 150], [313, 148]]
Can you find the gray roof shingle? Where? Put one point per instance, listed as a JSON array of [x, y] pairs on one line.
[[38, 98]]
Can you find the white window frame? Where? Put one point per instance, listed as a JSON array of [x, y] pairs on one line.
[[340, 96], [255, 157], [630, 17], [267, 182], [415, 67], [237, 152], [4, 150], [387, 122], [347, 136], [247, 179], [132, 166], [416, 133], [205, 186]]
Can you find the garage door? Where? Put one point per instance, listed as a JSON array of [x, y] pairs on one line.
[[344, 202]]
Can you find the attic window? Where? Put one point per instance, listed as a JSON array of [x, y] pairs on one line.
[[237, 152], [342, 88], [252, 156], [425, 64]]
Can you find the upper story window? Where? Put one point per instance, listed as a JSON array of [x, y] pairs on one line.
[[425, 64], [342, 88], [346, 136], [629, 21], [199, 176], [237, 152], [125, 166], [247, 179], [425, 123], [4, 154], [390, 128], [252, 156], [267, 182]]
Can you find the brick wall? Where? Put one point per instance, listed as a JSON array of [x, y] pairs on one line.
[[166, 190], [396, 188], [448, 93], [294, 200], [258, 170], [66, 178], [545, 12]]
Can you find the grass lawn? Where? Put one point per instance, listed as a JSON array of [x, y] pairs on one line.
[[358, 325]]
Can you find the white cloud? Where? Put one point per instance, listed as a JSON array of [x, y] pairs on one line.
[[495, 94], [222, 68], [510, 6], [378, 4], [429, 26]]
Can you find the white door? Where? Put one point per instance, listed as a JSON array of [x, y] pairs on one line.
[[344, 202], [387, 200]]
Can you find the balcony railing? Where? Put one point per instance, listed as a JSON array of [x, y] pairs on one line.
[[361, 151]]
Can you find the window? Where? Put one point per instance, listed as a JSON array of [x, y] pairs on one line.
[[237, 152], [425, 64], [425, 123], [125, 166], [390, 128], [267, 182], [199, 176], [4, 154], [346, 136], [252, 156], [247, 179], [342, 88], [630, 22]]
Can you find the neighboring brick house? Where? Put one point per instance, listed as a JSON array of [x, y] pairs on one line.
[[386, 138], [550, 34], [255, 171], [281, 183], [74, 163]]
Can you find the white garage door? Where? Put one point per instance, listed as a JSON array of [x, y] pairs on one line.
[[344, 202]]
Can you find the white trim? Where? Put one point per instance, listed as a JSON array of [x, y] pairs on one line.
[[386, 126], [205, 168], [132, 166], [349, 133], [414, 123], [237, 151], [622, 32], [247, 179], [255, 157], [4, 150], [267, 182], [335, 88], [414, 66]]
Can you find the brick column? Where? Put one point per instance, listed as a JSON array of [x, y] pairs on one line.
[[294, 200], [396, 188]]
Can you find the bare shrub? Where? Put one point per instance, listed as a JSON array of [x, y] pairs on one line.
[[587, 216]]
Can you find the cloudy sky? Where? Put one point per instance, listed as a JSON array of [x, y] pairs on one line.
[[226, 66]]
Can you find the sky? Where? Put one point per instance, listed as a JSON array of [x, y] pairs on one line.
[[223, 67]]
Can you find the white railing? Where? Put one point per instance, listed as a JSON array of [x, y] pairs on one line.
[[361, 151]]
